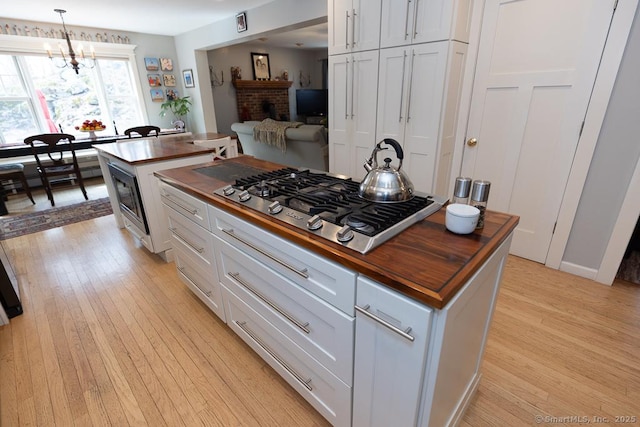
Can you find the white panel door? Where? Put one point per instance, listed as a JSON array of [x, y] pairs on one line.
[[339, 123], [537, 63]]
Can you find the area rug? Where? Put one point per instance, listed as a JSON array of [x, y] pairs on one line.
[[18, 225]]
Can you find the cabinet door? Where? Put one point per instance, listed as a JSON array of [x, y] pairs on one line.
[[436, 20], [396, 23], [339, 21], [395, 65], [388, 373], [425, 93], [363, 95], [339, 122], [365, 27]]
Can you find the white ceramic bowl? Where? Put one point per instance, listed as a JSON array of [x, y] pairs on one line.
[[461, 219]]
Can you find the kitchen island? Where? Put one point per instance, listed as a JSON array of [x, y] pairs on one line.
[[394, 336], [135, 197]]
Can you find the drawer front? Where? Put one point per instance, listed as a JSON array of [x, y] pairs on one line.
[[325, 392], [321, 330], [325, 279], [191, 236], [201, 279], [187, 205]]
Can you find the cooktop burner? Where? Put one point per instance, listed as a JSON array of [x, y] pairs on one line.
[[329, 206]]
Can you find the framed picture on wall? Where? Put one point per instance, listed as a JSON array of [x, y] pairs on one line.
[[261, 67], [241, 22], [151, 64], [154, 79], [157, 95], [166, 64], [172, 94], [187, 75], [169, 79]]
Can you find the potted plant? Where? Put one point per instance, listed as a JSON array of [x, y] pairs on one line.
[[180, 107]]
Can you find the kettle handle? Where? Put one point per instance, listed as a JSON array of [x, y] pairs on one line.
[[396, 146]]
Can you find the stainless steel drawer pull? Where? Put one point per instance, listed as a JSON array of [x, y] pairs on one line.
[[304, 272], [405, 334], [302, 326], [196, 248], [192, 211], [285, 365], [183, 271]]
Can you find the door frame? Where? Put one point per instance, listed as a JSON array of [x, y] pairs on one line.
[[603, 87]]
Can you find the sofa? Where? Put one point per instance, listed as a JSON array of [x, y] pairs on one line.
[[306, 146]]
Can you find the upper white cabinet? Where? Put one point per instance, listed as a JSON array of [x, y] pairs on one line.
[[352, 109], [406, 22], [354, 25]]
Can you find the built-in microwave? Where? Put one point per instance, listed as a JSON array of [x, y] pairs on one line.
[[129, 197]]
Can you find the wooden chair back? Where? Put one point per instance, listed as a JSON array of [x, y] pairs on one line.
[[143, 130]]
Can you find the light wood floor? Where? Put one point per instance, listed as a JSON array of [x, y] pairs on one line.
[[110, 336], [64, 195]]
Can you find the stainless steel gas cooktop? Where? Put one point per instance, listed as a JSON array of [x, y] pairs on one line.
[[329, 206]]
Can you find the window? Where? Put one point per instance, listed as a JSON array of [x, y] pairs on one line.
[[38, 97]]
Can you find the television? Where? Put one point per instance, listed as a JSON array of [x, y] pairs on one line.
[[312, 102]]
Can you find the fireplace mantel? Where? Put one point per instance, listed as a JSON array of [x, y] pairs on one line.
[[262, 84]]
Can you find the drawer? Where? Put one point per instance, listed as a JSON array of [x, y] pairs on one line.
[[201, 279], [323, 278], [191, 236], [187, 205], [318, 328], [325, 392]]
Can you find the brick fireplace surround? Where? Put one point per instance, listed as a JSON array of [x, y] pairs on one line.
[[253, 93]]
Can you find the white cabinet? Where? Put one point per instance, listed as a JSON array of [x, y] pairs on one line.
[[406, 22], [352, 109], [355, 25], [392, 336], [412, 97]]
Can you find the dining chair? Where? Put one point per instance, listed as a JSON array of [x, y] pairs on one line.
[[50, 149], [143, 131], [13, 172]]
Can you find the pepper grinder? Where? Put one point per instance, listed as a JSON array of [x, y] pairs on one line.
[[479, 197], [461, 190]]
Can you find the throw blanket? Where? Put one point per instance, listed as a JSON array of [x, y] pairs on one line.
[[272, 132]]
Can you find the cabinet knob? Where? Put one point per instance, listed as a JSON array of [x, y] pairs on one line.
[[472, 142]]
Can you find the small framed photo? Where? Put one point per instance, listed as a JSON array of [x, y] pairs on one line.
[[169, 79], [172, 94], [157, 95], [241, 22], [261, 67], [154, 80], [166, 64], [151, 64], [187, 75]]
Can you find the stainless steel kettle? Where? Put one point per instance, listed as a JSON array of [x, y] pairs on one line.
[[385, 184]]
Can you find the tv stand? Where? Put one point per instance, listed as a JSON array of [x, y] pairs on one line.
[[315, 120]]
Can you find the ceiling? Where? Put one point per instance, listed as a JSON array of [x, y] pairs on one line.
[[155, 17]]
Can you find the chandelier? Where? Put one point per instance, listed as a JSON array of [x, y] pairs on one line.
[[73, 61]]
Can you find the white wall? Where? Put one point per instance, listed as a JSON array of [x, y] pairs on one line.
[[292, 60], [274, 17], [614, 160]]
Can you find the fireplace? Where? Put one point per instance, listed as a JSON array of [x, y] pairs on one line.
[[253, 95]]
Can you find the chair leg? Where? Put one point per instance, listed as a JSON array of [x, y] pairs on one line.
[[47, 188], [25, 186], [81, 184]]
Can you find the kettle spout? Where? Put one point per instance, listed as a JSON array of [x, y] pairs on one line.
[[368, 165]]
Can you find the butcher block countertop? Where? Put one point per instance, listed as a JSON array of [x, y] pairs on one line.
[[145, 150], [425, 262]]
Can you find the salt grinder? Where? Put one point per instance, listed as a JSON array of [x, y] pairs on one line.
[[479, 197], [461, 190]]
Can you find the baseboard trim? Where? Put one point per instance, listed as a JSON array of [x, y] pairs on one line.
[[578, 270]]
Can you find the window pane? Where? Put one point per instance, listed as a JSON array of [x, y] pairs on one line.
[[10, 83], [16, 121], [69, 98], [121, 95]]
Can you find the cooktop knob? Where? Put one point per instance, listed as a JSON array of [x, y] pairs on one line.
[[315, 223], [228, 190], [244, 196], [275, 208], [344, 234]]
